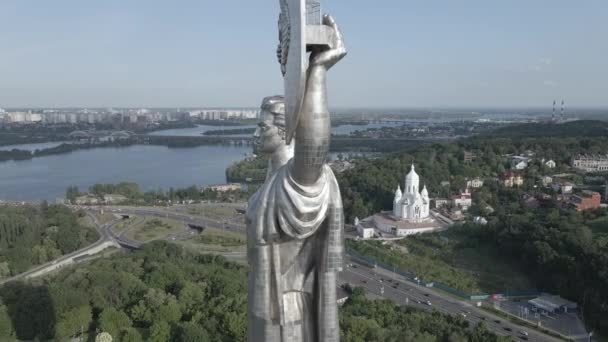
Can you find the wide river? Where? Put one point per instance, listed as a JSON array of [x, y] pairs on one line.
[[152, 167]]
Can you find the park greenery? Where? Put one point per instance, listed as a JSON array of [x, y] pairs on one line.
[[223, 239], [35, 234], [163, 293], [152, 229], [563, 251], [252, 170]]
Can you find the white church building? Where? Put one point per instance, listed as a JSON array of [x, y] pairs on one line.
[[410, 215], [412, 205]]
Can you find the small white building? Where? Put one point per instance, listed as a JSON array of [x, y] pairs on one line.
[[546, 180], [563, 187], [519, 162], [550, 164], [463, 200], [520, 165], [365, 229], [441, 202], [591, 163], [475, 183], [480, 220]]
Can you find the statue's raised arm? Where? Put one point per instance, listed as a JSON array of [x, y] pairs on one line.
[[313, 132]]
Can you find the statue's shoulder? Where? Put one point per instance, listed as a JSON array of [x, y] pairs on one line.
[[261, 196]]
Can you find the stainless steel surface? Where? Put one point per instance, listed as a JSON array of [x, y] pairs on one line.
[[295, 225]]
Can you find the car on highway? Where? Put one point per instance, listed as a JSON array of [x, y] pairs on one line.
[[463, 315], [524, 333], [428, 303], [508, 329], [497, 321]]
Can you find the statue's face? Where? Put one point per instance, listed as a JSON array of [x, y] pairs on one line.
[[267, 136]]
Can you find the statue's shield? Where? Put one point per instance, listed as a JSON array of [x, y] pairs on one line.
[[300, 28], [295, 67]]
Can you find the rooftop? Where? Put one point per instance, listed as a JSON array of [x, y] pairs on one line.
[[591, 157], [589, 193], [552, 303]]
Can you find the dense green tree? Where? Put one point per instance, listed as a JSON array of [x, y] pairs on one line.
[[113, 321], [31, 235], [130, 335], [31, 310], [190, 332], [6, 324], [73, 322], [160, 331]]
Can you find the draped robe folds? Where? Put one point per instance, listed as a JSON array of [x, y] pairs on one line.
[[295, 251]]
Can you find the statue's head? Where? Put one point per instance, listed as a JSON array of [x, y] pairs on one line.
[[270, 134]]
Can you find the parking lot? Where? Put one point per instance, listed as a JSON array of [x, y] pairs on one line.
[[567, 324]]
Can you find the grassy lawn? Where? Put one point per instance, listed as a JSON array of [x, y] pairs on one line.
[[125, 224], [216, 240], [214, 212], [105, 217], [451, 259], [154, 228]]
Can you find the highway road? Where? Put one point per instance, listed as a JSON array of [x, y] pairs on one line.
[[384, 284]]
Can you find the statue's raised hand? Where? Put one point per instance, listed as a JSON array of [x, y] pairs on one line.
[[327, 57]]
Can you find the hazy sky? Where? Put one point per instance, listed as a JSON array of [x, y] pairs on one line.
[[424, 53]]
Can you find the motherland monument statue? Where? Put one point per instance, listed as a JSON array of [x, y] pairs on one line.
[[295, 220]]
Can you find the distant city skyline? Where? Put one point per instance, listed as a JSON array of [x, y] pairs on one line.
[[427, 54]]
